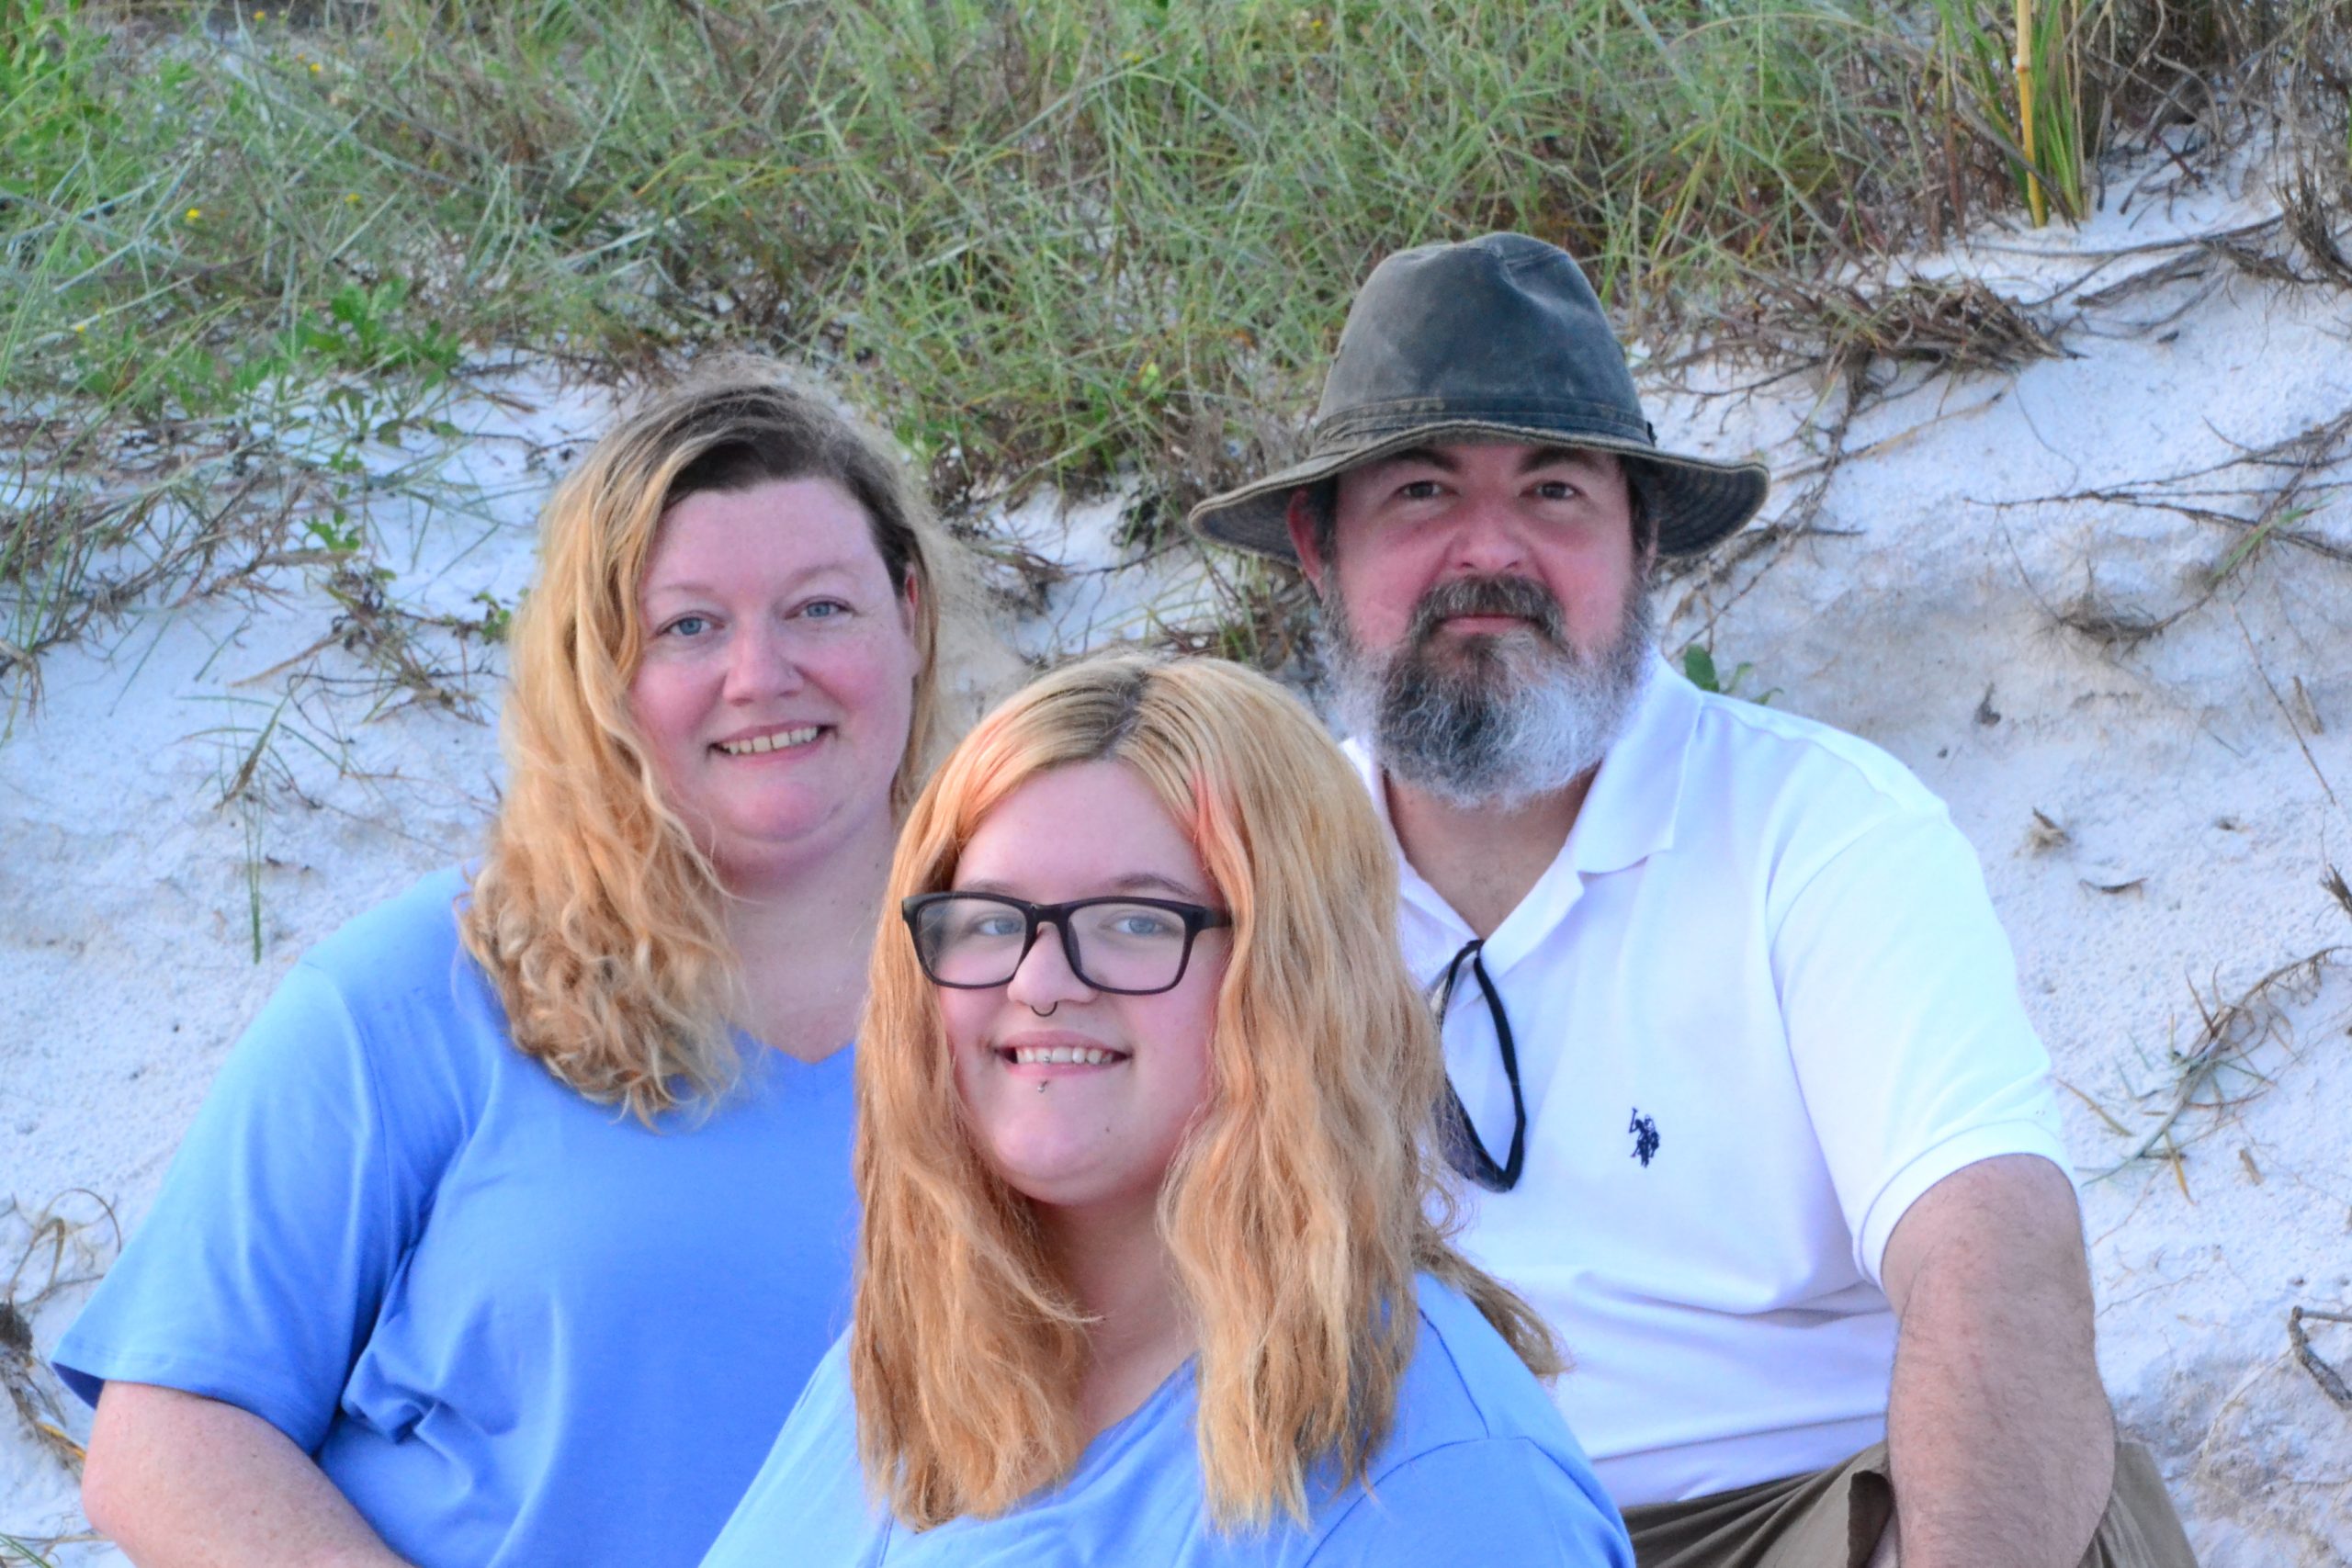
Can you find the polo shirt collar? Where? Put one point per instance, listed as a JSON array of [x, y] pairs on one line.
[[1627, 816]]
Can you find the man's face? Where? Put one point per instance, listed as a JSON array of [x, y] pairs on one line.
[[1490, 625]]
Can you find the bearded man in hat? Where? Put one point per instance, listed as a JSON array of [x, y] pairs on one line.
[[1735, 1038]]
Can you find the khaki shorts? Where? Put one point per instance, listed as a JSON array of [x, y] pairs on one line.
[[1832, 1519]]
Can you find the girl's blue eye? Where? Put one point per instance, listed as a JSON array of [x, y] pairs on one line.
[[686, 625], [1145, 923]]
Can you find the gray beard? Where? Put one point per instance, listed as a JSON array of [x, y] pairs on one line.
[[1493, 721]]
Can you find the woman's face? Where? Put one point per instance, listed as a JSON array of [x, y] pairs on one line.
[[777, 682], [1097, 1132]]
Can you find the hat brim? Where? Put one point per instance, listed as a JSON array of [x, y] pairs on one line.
[[1693, 503]]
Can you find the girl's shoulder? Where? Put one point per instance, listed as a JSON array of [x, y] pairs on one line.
[[1478, 1466], [811, 1491], [1466, 1384]]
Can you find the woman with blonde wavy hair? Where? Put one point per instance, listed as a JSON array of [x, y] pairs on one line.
[[512, 1227], [1149, 1273]]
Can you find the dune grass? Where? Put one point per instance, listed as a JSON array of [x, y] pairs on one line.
[[249, 253]]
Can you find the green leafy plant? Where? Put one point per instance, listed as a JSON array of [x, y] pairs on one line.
[[1079, 241], [2023, 87], [496, 619], [1699, 667], [16, 1548]]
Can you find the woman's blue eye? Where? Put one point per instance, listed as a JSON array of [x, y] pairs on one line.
[[825, 610], [686, 625]]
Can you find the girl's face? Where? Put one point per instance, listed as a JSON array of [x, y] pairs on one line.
[[777, 682], [1080, 1096]]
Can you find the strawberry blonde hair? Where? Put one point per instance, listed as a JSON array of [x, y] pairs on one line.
[[1298, 1211], [596, 917]]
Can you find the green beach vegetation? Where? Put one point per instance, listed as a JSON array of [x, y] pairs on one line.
[[251, 253]]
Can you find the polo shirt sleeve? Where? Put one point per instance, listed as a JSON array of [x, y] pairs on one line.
[[1485, 1500], [1900, 996], [257, 1276]]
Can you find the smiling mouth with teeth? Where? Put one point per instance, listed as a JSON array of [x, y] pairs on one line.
[[781, 740], [1050, 1056]]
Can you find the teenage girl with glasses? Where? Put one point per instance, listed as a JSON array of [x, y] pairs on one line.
[[1148, 1272]]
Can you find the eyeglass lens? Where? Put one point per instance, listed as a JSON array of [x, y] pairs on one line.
[[975, 940]]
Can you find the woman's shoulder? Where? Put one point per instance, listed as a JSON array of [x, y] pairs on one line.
[[402, 962], [398, 987], [415, 931]]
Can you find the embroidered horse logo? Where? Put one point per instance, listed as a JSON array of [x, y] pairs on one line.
[[1644, 1133]]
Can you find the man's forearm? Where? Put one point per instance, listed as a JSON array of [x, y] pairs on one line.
[[180, 1481], [2000, 1439]]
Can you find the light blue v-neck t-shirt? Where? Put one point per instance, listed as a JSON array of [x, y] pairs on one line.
[[1479, 1468], [515, 1328]]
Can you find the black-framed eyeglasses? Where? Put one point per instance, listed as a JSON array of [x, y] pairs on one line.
[[1131, 947], [1463, 1148]]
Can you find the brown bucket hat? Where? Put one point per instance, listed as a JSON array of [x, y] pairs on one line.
[[1496, 339]]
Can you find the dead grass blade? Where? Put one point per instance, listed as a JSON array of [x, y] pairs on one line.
[[2231, 1029], [2333, 880], [2312, 216], [2288, 485], [1952, 325], [64, 1244], [2330, 1380]]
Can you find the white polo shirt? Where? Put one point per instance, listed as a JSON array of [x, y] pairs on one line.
[[1762, 1003]]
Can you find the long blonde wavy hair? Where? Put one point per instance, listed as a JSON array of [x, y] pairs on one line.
[[594, 914], [1299, 1208]]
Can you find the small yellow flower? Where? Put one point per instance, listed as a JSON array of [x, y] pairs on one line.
[[193, 213], [316, 67], [261, 16], [81, 326], [351, 196]]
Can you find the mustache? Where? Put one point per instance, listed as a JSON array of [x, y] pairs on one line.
[[1521, 597]]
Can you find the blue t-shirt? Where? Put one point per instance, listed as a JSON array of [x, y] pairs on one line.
[[515, 1328], [1479, 1468]]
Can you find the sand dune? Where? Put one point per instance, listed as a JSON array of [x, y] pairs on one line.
[[2099, 599]]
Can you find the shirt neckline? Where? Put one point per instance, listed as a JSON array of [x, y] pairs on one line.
[[1106, 1445]]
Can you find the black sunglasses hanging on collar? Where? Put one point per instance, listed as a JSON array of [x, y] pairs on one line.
[[1463, 1149]]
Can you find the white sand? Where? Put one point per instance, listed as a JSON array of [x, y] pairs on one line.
[[2203, 773]]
